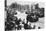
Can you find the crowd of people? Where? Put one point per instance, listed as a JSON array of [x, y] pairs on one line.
[[13, 22]]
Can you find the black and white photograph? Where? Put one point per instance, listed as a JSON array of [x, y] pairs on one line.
[[24, 15]]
